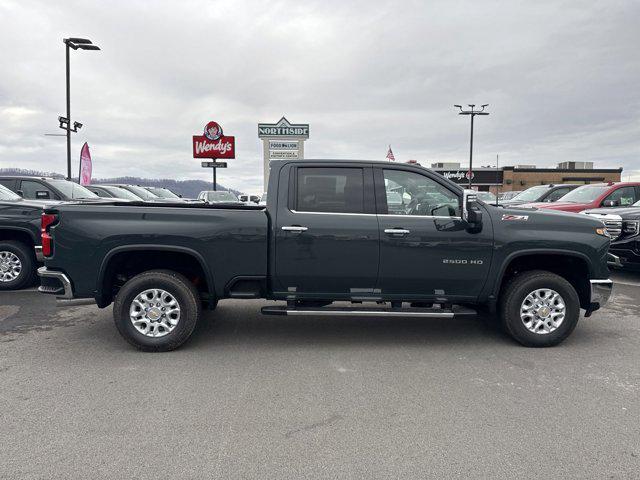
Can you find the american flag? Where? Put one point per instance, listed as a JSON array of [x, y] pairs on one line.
[[390, 156]]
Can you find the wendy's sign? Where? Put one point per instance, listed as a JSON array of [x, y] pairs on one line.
[[213, 144]]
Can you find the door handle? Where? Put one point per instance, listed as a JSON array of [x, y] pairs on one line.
[[295, 229], [397, 231]]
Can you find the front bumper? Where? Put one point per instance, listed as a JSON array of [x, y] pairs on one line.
[[600, 293], [55, 283]]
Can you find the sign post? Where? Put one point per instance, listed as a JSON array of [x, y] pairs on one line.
[[282, 140], [214, 144]]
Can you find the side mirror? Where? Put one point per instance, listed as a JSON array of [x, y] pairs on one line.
[[470, 211], [42, 195], [610, 203], [20, 192], [179, 195]]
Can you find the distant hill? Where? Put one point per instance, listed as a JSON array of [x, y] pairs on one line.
[[186, 188]]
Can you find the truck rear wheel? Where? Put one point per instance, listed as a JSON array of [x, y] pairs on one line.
[[157, 311], [17, 265], [539, 308]]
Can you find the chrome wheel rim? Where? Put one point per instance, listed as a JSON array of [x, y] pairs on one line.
[[543, 311], [154, 312], [10, 266]]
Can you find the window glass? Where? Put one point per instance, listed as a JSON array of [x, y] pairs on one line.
[[122, 193], [409, 193], [339, 190], [99, 192], [7, 182], [531, 194], [222, 197], [6, 194], [29, 189], [72, 189], [557, 194], [624, 196], [162, 192], [585, 194]]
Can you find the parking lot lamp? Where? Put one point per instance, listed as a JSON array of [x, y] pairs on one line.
[[473, 112], [65, 122]]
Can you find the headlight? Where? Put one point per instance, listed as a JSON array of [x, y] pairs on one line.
[[603, 231]]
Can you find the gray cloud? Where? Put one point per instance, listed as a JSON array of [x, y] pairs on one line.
[[561, 79]]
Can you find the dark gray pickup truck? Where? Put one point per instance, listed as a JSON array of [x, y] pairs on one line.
[[382, 238]]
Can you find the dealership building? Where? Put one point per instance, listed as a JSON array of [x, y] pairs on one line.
[[521, 177]]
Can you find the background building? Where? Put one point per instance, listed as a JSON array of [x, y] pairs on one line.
[[521, 177]]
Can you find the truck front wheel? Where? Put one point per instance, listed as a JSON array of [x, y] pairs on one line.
[[539, 308], [157, 311]]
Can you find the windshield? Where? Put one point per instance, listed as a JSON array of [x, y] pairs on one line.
[[162, 192], [72, 190], [531, 194], [122, 193], [141, 192], [221, 197], [585, 194], [6, 194]]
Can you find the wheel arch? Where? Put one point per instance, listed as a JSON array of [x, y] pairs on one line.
[[104, 298], [574, 266], [18, 234]]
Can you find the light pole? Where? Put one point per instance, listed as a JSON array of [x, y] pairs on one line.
[[473, 112], [65, 122]]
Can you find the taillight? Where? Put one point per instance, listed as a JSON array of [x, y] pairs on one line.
[[46, 221]]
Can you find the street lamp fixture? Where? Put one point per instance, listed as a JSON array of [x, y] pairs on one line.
[[472, 111], [65, 122]]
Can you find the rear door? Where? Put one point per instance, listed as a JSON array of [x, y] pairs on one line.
[[425, 249], [326, 231]]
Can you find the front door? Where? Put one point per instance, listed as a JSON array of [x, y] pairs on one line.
[[327, 240], [426, 250]]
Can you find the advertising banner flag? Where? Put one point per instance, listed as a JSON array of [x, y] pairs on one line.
[[85, 165]]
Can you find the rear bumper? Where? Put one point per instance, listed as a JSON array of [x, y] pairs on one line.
[[600, 293], [39, 255], [55, 283]]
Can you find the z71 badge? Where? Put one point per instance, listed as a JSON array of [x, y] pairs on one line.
[[522, 218]]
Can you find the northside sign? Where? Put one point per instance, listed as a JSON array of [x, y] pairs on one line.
[[283, 129], [214, 144]]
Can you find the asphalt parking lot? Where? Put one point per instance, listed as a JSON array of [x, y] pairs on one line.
[[283, 397]]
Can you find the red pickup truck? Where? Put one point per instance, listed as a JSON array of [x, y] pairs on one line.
[[596, 195]]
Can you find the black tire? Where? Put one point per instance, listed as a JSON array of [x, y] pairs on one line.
[[175, 285], [513, 296], [27, 260]]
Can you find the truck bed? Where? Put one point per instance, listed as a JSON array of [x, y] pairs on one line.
[[229, 241]]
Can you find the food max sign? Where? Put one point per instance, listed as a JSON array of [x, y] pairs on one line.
[[283, 129], [214, 144]]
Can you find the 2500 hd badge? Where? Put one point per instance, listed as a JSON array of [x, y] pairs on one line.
[[462, 261]]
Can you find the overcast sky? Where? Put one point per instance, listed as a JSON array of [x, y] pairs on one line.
[[562, 79]]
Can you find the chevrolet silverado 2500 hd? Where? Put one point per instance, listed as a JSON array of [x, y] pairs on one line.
[[328, 234]]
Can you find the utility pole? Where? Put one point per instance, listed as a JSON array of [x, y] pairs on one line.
[[473, 112], [65, 122]]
